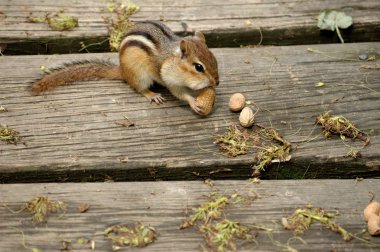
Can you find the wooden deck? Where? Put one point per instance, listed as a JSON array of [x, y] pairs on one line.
[[226, 24], [73, 133], [69, 135], [165, 205]]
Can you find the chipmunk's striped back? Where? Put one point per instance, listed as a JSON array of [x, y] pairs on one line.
[[153, 37]]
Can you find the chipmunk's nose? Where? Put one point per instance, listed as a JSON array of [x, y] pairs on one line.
[[217, 82]]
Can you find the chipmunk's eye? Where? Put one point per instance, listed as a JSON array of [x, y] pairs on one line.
[[199, 67]]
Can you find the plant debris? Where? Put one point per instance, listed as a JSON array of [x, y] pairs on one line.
[[9, 135], [207, 211], [79, 244], [254, 180], [370, 67], [83, 207], [371, 57], [119, 24], [125, 122], [271, 146], [341, 126], [3, 109], [209, 182], [320, 84], [57, 21], [234, 142], [220, 234], [41, 207], [24, 242], [66, 245], [302, 219], [277, 151], [134, 235], [332, 20]]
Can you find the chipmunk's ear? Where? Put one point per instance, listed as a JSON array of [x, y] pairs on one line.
[[200, 36], [184, 47]]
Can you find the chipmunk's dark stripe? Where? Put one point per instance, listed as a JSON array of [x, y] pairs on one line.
[[138, 44], [144, 34], [163, 28], [99, 62]]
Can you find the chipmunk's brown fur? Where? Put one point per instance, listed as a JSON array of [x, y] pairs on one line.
[[81, 70], [150, 52]]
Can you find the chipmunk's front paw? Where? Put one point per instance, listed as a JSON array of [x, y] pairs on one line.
[[158, 99], [196, 108], [154, 97]]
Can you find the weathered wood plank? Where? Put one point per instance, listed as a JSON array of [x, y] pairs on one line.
[[70, 133], [165, 205], [230, 24]]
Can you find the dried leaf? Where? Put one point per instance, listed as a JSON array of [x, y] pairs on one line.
[[83, 207], [331, 19]]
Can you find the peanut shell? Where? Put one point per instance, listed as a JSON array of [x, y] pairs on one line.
[[374, 225], [372, 208], [206, 100], [246, 117], [237, 102], [372, 215]]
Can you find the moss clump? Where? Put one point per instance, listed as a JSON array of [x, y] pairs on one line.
[[41, 207], [220, 234], [339, 125], [234, 142], [207, 211], [270, 145], [134, 235], [119, 24], [302, 219], [63, 23], [57, 21], [9, 135], [277, 151]]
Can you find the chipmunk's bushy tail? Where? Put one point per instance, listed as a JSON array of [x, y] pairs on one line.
[[77, 71]]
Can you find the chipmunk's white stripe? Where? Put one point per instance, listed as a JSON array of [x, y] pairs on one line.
[[139, 38]]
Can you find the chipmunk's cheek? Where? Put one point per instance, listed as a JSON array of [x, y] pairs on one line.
[[198, 85]]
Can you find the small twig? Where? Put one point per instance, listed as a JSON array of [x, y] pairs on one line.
[[261, 37], [23, 242], [210, 151], [339, 35], [84, 47], [371, 196], [360, 85], [329, 56]]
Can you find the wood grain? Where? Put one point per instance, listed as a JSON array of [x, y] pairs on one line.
[[165, 205], [70, 133], [231, 23]]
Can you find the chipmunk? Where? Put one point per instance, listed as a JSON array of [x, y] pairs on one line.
[[149, 53]]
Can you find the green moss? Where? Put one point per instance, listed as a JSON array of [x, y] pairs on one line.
[[119, 24], [341, 126], [302, 219], [9, 135], [41, 207], [220, 234], [134, 235], [64, 23], [277, 151], [234, 142], [57, 21]]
